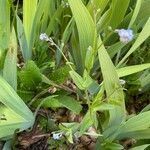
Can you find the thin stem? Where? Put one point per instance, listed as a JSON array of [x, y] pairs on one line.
[[62, 53], [87, 97]]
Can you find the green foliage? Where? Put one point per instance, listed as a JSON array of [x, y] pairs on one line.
[[62, 101], [16, 113], [86, 29], [30, 76], [60, 75], [4, 29], [83, 48], [10, 64]]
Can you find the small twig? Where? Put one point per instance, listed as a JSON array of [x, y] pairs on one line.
[[41, 136]]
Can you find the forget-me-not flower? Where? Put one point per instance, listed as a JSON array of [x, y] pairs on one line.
[[125, 35], [44, 37], [57, 136]]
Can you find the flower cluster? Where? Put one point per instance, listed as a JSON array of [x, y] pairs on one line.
[[44, 37], [57, 136], [125, 35]]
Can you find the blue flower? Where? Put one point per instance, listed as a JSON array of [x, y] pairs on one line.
[[125, 35], [44, 37], [57, 136]]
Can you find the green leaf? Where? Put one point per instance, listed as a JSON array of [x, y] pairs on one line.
[[142, 147], [85, 26], [63, 101], [136, 12], [70, 103], [50, 102], [113, 146], [136, 123], [29, 7], [125, 71], [22, 40], [78, 80], [17, 114], [30, 76], [112, 86], [86, 122], [87, 80], [102, 107], [10, 64], [110, 77], [4, 24], [4, 29], [121, 7], [138, 135]]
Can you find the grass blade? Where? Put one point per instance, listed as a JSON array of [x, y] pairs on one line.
[[125, 71], [136, 11]]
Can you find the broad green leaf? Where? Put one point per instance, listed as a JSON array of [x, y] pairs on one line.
[[112, 86], [118, 6], [142, 147], [113, 146], [50, 102], [29, 10], [78, 80], [13, 122], [145, 33], [16, 113], [4, 29], [125, 71], [4, 24], [136, 123], [10, 65], [10, 99], [141, 134], [85, 26], [70, 103], [110, 77], [30, 76], [102, 107], [62, 101]]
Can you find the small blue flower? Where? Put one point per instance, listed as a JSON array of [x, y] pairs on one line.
[[57, 136], [125, 35], [44, 37]]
